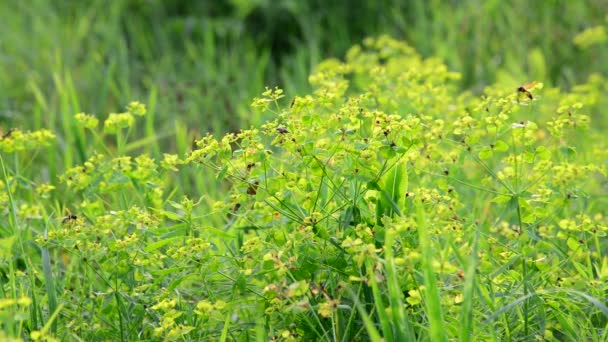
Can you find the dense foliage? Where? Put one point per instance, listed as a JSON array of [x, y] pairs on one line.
[[203, 61], [384, 203]]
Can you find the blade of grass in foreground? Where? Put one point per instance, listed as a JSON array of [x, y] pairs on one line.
[[224, 336], [466, 315], [403, 329], [380, 310], [50, 284], [260, 331], [12, 221], [373, 333], [52, 321], [431, 293]]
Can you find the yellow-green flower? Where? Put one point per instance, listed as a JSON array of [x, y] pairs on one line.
[[86, 120], [137, 108], [326, 309], [171, 161], [116, 121]]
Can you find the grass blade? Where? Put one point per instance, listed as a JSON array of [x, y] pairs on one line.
[[431, 294], [224, 336], [373, 333], [400, 320], [466, 315], [380, 309], [50, 284]]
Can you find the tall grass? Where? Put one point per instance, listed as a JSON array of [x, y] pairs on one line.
[[198, 65], [205, 62]]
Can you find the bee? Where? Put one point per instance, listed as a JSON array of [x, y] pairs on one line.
[[233, 210], [524, 89], [253, 188], [68, 217], [8, 133], [282, 130]]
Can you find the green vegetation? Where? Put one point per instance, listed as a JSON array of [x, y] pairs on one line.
[[203, 61], [387, 195]]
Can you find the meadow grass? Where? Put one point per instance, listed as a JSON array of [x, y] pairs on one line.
[[204, 64], [464, 217]]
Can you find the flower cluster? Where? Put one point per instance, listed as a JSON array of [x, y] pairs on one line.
[[15, 140], [320, 187]]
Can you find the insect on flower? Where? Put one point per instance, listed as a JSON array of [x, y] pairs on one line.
[[7, 134], [68, 217], [525, 89], [253, 188]]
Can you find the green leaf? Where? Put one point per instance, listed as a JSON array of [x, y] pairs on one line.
[[6, 246], [387, 152], [486, 153], [218, 232], [168, 214], [543, 153], [393, 186], [171, 270], [573, 244], [181, 278], [159, 244], [500, 145], [568, 151], [530, 218], [221, 175], [529, 157]]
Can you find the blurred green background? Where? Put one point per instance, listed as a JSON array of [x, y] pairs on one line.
[[198, 64]]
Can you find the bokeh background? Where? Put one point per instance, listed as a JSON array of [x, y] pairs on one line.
[[198, 64]]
